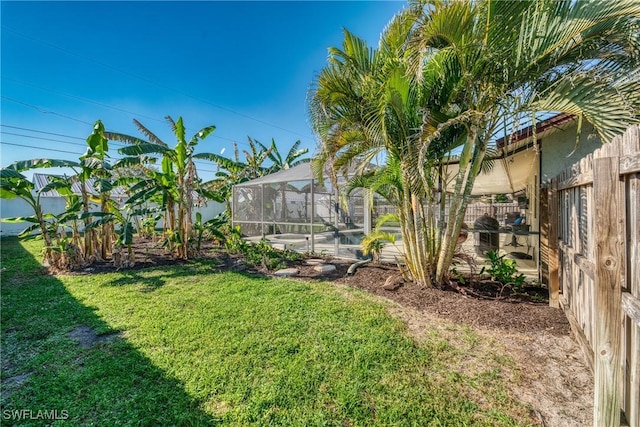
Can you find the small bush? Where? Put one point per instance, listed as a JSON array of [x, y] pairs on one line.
[[504, 270]]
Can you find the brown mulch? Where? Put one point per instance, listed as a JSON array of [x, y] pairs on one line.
[[507, 312]]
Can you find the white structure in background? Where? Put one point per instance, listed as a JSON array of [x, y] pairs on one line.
[[54, 203]]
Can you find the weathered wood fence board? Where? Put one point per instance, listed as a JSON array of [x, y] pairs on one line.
[[593, 247]]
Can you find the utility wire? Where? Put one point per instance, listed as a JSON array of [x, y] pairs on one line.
[[70, 152], [147, 80], [41, 131], [43, 111], [71, 143], [91, 101], [39, 148]]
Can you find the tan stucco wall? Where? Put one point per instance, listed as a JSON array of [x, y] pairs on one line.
[[559, 150]]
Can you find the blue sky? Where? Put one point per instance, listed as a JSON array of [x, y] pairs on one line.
[[244, 67]]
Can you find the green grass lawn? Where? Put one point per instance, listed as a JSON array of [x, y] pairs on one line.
[[189, 346]]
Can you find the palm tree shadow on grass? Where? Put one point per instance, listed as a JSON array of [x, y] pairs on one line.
[[45, 367], [147, 283]]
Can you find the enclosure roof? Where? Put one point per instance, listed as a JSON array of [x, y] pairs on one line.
[[301, 172], [510, 172]]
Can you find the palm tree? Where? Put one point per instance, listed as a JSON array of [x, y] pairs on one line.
[[504, 58], [278, 163], [174, 184], [234, 171], [365, 104]]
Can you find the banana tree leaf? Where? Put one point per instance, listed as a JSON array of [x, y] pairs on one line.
[[6, 193], [99, 222], [103, 185], [202, 134], [114, 136], [125, 234], [32, 219], [85, 215], [96, 163], [6, 173], [146, 183], [23, 165], [97, 141], [29, 230], [128, 161], [62, 186], [145, 211], [144, 148], [142, 196]]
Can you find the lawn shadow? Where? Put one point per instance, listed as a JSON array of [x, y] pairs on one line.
[[148, 284], [60, 358]]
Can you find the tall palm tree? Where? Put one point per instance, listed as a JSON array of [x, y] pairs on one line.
[[365, 104], [448, 73], [235, 170], [293, 157], [510, 57], [279, 163]]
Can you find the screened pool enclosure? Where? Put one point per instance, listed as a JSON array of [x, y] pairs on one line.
[[293, 210]]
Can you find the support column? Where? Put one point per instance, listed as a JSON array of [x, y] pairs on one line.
[[313, 215]]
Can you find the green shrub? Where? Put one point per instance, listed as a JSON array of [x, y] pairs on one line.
[[504, 270]]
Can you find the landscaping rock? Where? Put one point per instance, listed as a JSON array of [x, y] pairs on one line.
[[393, 282], [325, 268], [287, 272], [314, 261]]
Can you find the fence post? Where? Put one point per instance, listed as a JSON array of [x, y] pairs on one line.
[[554, 215], [608, 296]]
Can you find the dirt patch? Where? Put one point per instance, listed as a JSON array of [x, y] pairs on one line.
[[86, 337]]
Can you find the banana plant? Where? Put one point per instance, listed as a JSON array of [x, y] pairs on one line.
[[13, 184], [95, 169], [212, 227], [173, 186]]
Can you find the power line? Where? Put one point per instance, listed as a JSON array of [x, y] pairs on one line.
[[41, 131], [43, 139], [68, 142], [43, 111], [71, 152], [91, 101], [39, 148], [145, 79]]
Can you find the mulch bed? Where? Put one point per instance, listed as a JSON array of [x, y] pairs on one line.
[[506, 312]]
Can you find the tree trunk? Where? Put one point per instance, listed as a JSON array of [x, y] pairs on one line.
[[413, 226], [45, 235], [460, 199]]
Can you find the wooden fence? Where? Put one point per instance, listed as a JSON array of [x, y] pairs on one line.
[[593, 256]]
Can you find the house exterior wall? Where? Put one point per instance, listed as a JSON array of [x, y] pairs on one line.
[[559, 149]]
